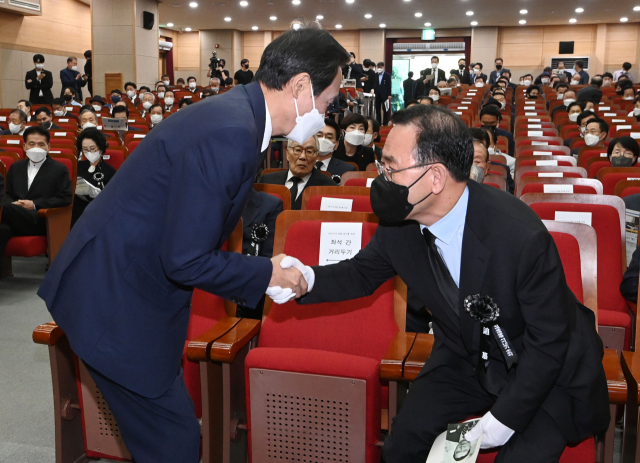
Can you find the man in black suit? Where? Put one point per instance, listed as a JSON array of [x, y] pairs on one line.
[[543, 382], [409, 88], [354, 70], [39, 82], [495, 75], [477, 72], [37, 182], [72, 78], [593, 92], [462, 72], [43, 117], [382, 89], [88, 71], [429, 78], [369, 69], [17, 122], [328, 141], [302, 172]]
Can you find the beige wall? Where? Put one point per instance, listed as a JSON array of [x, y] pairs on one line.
[[253, 44], [186, 55], [63, 30], [372, 45], [146, 45], [484, 41]]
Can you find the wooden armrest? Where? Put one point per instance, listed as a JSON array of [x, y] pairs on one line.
[[633, 307], [52, 212], [392, 364], [197, 348], [631, 369], [225, 348], [418, 356], [47, 334], [616, 383]]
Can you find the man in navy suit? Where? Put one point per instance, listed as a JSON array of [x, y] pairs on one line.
[[382, 89], [477, 72], [121, 285], [70, 77]]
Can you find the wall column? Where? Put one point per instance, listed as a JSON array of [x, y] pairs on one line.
[[596, 66], [484, 47], [372, 42]]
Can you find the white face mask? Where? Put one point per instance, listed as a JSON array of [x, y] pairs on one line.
[[92, 157], [628, 98], [479, 84], [434, 65], [97, 108], [368, 138], [354, 137], [526, 82], [636, 111], [545, 81], [74, 68], [192, 85], [146, 105], [160, 94], [36, 155], [575, 82], [131, 93], [568, 101], [14, 129], [168, 101], [326, 146], [435, 97], [591, 140], [477, 71], [307, 124], [156, 118], [573, 117], [88, 125], [503, 105], [379, 71], [166, 82], [582, 131], [492, 150], [39, 67], [58, 113], [560, 96]]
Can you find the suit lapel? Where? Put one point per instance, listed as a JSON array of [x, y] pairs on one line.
[[41, 172], [21, 181]]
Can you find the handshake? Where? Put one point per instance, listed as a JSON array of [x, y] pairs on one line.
[[290, 278]]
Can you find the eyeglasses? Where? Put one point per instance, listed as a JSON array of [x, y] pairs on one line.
[[90, 149], [388, 173], [298, 150], [619, 152]]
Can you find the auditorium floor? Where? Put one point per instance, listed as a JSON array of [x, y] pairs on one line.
[[26, 405]]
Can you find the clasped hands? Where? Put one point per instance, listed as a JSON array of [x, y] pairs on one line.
[[290, 278]]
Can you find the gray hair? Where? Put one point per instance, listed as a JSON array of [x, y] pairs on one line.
[[216, 79], [293, 144], [88, 110]]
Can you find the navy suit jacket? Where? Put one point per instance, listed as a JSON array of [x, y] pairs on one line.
[[382, 90], [338, 167], [121, 285], [261, 208], [68, 79]]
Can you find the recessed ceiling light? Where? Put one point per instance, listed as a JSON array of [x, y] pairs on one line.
[[295, 2], [193, 4], [169, 24], [523, 11], [243, 3], [188, 29], [319, 17], [474, 23], [383, 25], [255, 28], [573, 20], [350, 1], [579, 10], [338, 26], [636, 8], [427, 24], [296, 26], [624, 20], [273, 18], [469, 13], [418, 15], [522, 21], [368, 15], [227, 19]]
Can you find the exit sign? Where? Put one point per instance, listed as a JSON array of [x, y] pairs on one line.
[[428, 34]]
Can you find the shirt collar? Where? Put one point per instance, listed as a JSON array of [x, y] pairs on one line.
[[267, 127], [445, 228], [305, 179]]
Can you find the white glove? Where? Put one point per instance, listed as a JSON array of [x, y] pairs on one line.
[[495, 433], [280, 295]]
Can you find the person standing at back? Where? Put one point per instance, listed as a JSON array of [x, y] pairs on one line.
[[39, 82], [382, 88], [369, 68], [409, 88], [243, 76], [88, 71], [626, 67], [584, 76], [70, 77]]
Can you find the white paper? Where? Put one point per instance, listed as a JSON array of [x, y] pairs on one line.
[[635, 135], [550, 174], [114, 124], [541, 153], [369, 182], [553, 188], [633, 178], [574, 217], [542, 143], [530, 114], [603, 155], [55, 152], [463, 107], [632, 232], [187, 96], [59, 120], [618, 120], [529, 108], [547, 163], [451, 447], [609, 114], [605, 108], [336, 204], [59, 134], [3, 118], [13, 142], [534, 120], [459, 113], [535, 126], [106, 157], [130, 120], [139, 135], [339, 241], [69, 108], [535, 133], [623, 127]]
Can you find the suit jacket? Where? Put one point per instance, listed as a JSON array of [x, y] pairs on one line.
[[261, 208], [513, 259], [339, 167], [35, 86], [382, 89], [440, 77], [356, 73], [409, 89], [156, 243], [464, 78], [68, 79], [1, 187], [472, 78], [280, 178], [495, 75], [509, 136], [584, 77], [368, 84], [55, 127], [629, 284], [590, 93]]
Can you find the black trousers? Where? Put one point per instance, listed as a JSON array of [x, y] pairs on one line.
[[445, 396], [18, 221], [381, 114]]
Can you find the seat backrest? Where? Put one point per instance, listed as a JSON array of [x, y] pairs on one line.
[[132, 145], [115, 156], [586, 153], [361, 201], [550, 171], [610, 176], [496, 181], [625, 188], [8, 158], [545, 150], [588, 186], [541, 161], [279, 191], [361, 175], [330, 327]]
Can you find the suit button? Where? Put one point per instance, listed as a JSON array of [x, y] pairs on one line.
[[242, 302], [234, 300]]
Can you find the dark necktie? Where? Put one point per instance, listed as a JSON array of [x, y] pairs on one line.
[[319, 165], [294, 189], [441, 274]]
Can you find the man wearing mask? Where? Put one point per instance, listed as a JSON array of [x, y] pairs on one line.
[[37, 182], [148, 100], [26, 107], [584, 76], [353, 71], [59, 110], [328, 141], [39, 82], [595, 134], [43, 117], [243, 76], [176, 241], [382, 89], [607, 79], [214, 83], [491, 116], [495, 75], [461, 72], [192, 85], [567, 73], [155, 115], [166, 81], [88, 70], [169, 102], [97, 102], [88, 120], [409, 88], [570, 96], [477, 73], [70, 77], [369, 77], [68, 94], [593, 92], [115, 97], [430, 77], [17, 121], [434, 234], [130, 91], [626, 67]]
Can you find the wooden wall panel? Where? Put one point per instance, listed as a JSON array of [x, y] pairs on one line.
[[350, 40], [521, 54], [622, 32], [574, 32], [187, 51], [526, 35], [618, 52]]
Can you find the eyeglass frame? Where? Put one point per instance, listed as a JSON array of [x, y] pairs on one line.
[[382, 169], [302, 150]]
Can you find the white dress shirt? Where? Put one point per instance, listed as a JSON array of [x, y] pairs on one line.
[[267, 128], [301, 184], [448, 232], [32, 171], [37, 75], [621, 72]]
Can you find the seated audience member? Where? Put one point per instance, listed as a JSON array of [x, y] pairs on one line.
[[302, 172], [607, 79], [185, 102], [479, 81], [442, 84], [629, 93], [434, 94], [560, 89], [589, 105], [621, 85], [160, 90], [411, 103], [452, 82], [351, 147], [122, 112], [169, 99], [17, 121], [26, 106], [635, 113], [544, 78], [180, 84], [142, 90], [214, 83], [480, 166], [60, 110], [207, 92], [583, 118], [130, 91], [328, 140], [491, 116], [372, 136], [623, 152], [35, 183], [626, 67], [629, 284], [532, 92], [97, 102], [44, 118], [595, 134], [484, 136], [425, 100], [166, 81], [570, 97], [155, 115], [527, 80], [477, 75], [192, 85], [501, 99], [148, 100], [69, 95], [116, 97], [92, 144], [506, 75], [593, 92], [492, 147], [87, 120]]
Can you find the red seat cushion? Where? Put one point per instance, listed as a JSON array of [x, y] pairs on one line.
[[595, 167], [632, 190], [610, 180], [494, 185], [26, 246], [356, 182], [360, 203]]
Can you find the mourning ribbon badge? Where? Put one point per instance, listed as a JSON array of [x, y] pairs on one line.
[[483, 310], [259, 234]]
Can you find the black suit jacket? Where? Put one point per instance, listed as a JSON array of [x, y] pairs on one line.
[[261, 208], [68, 79], [464, 78], [472, 78], [409, 89], [382, 89], [50, 188], [368, 84], [280, 178], [36, 85], [590, 93], [55, 127], [512, 258], [339, 167]]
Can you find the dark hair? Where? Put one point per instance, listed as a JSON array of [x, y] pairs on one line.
[[627, 142], [229, 81], [95, 135], [157, 105], [498, 59], [442, 137], [354, 119], [71, 58], [20, 113], [436, 89], [169, 90], [491, 110], [26, 102], [561, 84], [119, 109], [462, 59], [43, 109], [244, 60], [425, 97], [583, 115], [491, 133], [191, 77], [479, 64], [352, 54], [58, 101], [410, 74], [607, 74], [164, 75], [626, 66], [531, 88], [307, 49], [188, 101], [130, 83], [597, 81], [482, 78], [334, 125], [180, 80], [493, 102], [115, 91], [452, 79], [36, 130], [505, 71], [38, 57], [145, 88], [163, 86], [87, 54], [367, 62], [410, 102], [570, 90], [604, 127], [72, 90], [580, 103], [223, 62], [438, 59], [480, 135], [376, 126], [579, 63]]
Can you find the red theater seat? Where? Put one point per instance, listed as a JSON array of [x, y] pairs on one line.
[[312, 197]]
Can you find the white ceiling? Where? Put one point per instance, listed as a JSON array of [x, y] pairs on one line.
[[396, 14]]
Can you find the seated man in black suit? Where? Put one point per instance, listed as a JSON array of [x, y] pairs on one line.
[[35, 183], [302, 172], [44, 118], [491, 115], [122, 112], [328, 140], [17, 122]]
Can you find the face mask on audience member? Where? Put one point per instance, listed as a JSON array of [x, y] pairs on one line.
[[434, 65], [307, 124], [131, 93], [568, 101], [368, 138], [58, 113], [479, 84], [14, 129], [156, 118], [545, 81], [192, 85], [591, 140], [435, 98], [160, 94], [621, 161], [146, 105], [68, 97], [573, 117], [36, 155], [355, 137], [91, 156], [97, 107], [560, 96], [477, 173], [526, 83], [629, 98], [88, 125], [168, 101], [166, 82], [390, 201], [636, 111], [115, 99], [575, 81], [461, 66], [492, 150], [326, 146]]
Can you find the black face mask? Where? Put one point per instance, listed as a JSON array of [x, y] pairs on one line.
[[390, 201], [68, 97], [498, 67], [490, 127], [461, 66], [621, 161], [46, 125]]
